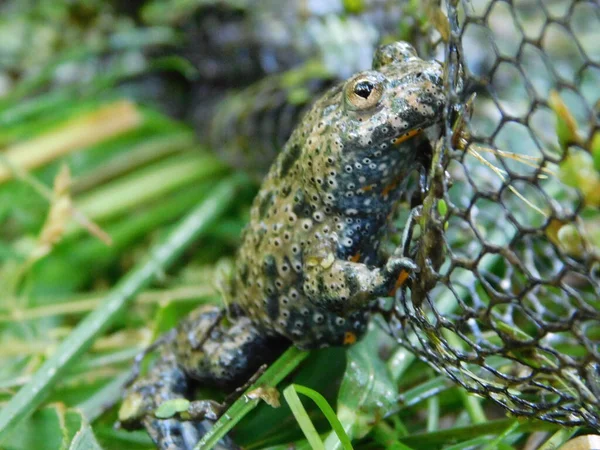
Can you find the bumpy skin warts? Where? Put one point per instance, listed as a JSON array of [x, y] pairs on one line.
[[308, 267]]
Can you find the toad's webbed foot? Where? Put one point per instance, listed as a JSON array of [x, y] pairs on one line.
[[207, 349]]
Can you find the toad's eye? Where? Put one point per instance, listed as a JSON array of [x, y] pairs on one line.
[[363, 89], [364, 92]]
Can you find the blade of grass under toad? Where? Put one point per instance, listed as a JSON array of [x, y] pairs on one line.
[[273, 376], [326, 410], [267, 426], [194, 224], [307, 427], [58, 119]]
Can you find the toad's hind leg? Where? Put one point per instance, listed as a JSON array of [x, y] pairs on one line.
[[165, 381], [208, 349]]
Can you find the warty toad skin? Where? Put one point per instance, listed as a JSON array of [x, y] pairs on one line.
[[309, 264]]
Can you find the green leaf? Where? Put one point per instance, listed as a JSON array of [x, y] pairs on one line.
[[171, 407], [577, 170], [442, 207], [595, 150], [566, 127], [571, 240], [354, 6], [50, 428], [85, 439], [367, 391]]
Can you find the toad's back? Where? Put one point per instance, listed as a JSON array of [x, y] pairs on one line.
[[308, 266]]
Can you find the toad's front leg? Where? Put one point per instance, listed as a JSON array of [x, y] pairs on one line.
[[345, 286]]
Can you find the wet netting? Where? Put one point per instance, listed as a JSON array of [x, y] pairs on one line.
[[507, 300]]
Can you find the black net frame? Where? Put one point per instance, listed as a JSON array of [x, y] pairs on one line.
[[507, 299]]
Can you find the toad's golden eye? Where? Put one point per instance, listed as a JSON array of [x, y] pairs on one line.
[[363, 89], [364, 92]]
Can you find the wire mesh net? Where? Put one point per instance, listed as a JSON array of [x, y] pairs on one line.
[[507, 301]]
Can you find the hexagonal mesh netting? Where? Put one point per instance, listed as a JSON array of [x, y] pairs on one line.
[[507, 302]]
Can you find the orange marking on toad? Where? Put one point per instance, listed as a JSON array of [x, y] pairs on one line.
[[399, 282], [406, 136], [389, 188], [349, 338]]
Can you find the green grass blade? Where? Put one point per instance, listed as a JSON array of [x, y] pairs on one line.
[[470, 444], [424, 391], [433, 413], [399, 446], [274, 375], [197, 222], [473, 406], [117, 197], [327, 411], [559, 438], [95, 405], [495, 443], [309, 430], [468, 432]]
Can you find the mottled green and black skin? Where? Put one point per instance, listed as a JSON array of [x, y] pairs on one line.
[[309, 266]]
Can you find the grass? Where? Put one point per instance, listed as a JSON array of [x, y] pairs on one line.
[[73, 316]]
